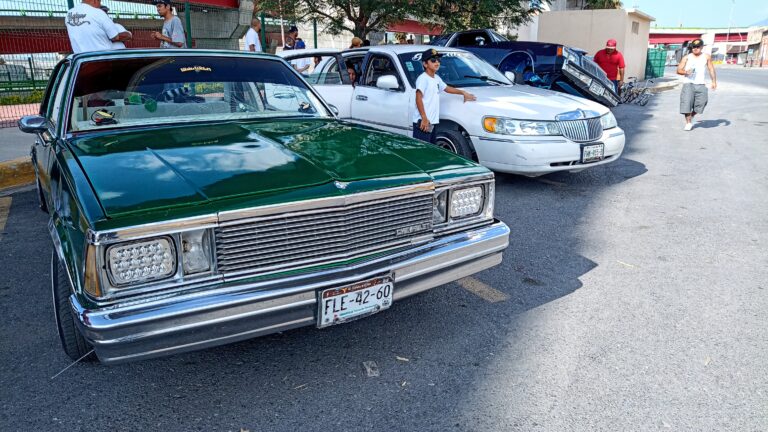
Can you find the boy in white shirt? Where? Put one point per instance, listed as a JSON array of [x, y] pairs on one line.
[[90, 29], [428, 88]]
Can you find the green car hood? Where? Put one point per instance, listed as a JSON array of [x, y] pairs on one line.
[[148, 170]]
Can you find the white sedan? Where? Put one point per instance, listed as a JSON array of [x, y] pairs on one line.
[[511, 128]]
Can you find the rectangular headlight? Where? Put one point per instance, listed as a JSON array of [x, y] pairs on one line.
[[196, 251], [440, 209], [141, 261], [466, 202]]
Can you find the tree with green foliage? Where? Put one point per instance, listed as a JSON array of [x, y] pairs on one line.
[[361, 17], [603, 4], [472, 14]]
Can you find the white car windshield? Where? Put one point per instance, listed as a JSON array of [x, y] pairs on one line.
[[138, 91], [457, 69]]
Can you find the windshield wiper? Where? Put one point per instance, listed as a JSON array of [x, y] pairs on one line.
[[485, 78]]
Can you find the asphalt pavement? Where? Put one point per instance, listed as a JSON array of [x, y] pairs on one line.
[[633, 296]]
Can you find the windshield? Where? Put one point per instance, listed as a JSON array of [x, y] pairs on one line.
[[457, 69], [160, 90]]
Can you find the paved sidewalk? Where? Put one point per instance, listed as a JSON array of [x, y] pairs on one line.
[[15, 164]]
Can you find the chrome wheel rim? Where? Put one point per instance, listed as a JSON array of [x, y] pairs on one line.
[[447, 144]]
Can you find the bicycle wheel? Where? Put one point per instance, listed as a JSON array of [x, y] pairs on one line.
[[644, 99]]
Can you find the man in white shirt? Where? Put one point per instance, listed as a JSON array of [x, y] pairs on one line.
[[429, 85], [119, 44], [252, 39], [90, 29]]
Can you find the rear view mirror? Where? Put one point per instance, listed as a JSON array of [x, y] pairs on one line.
[[388, 82], [510, 76], [34, 124], [334, 110]]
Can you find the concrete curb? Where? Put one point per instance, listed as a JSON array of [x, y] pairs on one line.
[[17, 172]]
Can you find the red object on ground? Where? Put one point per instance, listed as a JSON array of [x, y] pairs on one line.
[[610, 63]]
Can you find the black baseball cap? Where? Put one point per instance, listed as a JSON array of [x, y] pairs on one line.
[[697, 43], [165, 2], [293, 29], [430, 53]]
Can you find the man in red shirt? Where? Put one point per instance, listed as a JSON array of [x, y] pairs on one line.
[[612, 62]]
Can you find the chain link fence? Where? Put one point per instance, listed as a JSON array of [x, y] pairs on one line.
[[33, 38]]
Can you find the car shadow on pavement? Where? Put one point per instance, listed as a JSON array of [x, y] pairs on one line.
[[706, 124]]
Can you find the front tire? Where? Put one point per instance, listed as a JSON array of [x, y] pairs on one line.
[[455, 142], [72, 340]]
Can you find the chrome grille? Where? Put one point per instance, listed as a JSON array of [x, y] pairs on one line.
[[595, 70], [301, 239], [581, 130]]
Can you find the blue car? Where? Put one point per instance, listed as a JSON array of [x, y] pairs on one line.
[[546, 65]]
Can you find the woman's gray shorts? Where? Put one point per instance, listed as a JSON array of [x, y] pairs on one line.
[[693, 98]]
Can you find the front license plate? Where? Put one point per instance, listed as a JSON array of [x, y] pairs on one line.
[[339, 305], [596, 89], [592, 153]]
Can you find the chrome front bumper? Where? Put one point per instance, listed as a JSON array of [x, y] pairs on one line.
[[228, 314]]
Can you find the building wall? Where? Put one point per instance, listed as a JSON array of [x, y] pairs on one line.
[[590, 29]]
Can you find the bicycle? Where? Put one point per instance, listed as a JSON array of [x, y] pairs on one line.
[[631, 92]]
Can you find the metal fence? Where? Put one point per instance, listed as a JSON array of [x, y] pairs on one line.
[[33, 38]]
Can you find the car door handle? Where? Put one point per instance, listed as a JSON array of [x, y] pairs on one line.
[[361, 98]]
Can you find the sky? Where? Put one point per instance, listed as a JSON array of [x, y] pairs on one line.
[[702, 13]]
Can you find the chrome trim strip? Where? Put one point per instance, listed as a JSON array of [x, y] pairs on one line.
[[525, 141], [369, 122], [615, 134], [466, 180], [152, 229]]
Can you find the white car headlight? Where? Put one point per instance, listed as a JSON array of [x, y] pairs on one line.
[[196, 251], [141, 261], [608, 121], [505, 126], [440, 209], [467, 202]]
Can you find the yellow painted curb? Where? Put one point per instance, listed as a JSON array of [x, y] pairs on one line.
[[16, 172]]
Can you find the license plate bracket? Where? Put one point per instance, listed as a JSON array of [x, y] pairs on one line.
[[592, 152], [354, 301]]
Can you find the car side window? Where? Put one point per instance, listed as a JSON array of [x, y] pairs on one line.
[[477, 38], [50, 91], [58, 101], [379, 66]]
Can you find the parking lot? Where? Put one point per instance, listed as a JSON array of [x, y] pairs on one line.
[[633, 296]]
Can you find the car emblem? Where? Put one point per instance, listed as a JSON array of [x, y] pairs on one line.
[[340, 185]]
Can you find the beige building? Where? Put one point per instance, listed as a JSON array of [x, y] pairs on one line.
[[590, 29]]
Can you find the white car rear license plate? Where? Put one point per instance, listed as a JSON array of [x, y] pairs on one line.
[[339, 305], [596, 89], [592, 153]]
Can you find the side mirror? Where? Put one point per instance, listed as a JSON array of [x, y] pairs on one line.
[[388, 82], [334, 110], [510, 76], [34, 124], [479, 41]]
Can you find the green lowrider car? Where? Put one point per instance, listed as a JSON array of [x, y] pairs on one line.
[[198, 198]]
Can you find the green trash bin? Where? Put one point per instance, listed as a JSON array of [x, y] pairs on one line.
[[654, 66]]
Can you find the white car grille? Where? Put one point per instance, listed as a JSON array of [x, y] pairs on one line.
[[581, 130]]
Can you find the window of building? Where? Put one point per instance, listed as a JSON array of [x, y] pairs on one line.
[[635, 27]]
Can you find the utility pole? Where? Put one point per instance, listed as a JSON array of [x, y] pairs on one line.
[[728, 35]]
